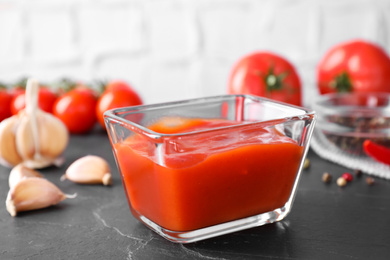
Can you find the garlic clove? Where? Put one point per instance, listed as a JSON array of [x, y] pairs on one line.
[[20, 172], [9, 155], [90, 169], [33, 193], [53, 135], [25, 139]]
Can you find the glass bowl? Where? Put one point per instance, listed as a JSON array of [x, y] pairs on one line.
[[346, 120], [204, 167]]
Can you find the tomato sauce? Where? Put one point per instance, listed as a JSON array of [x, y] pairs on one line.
[[196, 188]]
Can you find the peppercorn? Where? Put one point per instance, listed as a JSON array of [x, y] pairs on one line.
[[358, 173], [341, 182], [306, 164], [326, 177], [370, 180], [347, 176]]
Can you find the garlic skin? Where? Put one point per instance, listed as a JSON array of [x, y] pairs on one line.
[[32, 137], [90, 169], [20, 172], [33, 193]]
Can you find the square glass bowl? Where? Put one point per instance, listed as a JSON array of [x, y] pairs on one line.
[[346, 120], [200, 168]]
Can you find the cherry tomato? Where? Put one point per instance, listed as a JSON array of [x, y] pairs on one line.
[[268, 75], [76, 109], [5, 104], [354, 66], [116, 85], [15, 91], [117, 94], [46, 99]]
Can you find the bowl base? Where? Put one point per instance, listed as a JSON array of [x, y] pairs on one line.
[[185, 237]]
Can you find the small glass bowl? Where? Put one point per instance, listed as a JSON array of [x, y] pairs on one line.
[[348, 119], [200, 168]]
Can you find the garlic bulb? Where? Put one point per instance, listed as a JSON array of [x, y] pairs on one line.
[[33, 193], [33, 137], [90, 169]]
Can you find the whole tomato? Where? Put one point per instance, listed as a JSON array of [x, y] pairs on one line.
[[354, 66], [5, 104], [116, 94], [76, 109], [268, 75], [46, 100], [15, 91]]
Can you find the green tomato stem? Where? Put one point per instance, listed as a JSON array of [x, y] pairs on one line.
[[342, 83]]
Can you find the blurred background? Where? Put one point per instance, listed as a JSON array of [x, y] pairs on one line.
[[176, 49]]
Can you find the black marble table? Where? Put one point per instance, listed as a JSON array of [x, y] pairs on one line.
[[326, 222]]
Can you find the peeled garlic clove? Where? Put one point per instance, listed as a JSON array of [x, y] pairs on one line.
[[9, 155], [33, 193], [20, 172], [90, 169]]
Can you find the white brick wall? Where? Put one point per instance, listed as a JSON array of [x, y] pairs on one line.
[[174, 49]]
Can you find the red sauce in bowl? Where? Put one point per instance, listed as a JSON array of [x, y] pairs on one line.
[[193, 184]]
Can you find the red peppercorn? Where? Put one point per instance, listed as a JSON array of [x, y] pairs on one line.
[[347, 176]]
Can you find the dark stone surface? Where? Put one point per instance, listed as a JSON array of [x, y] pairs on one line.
[[326, 222]]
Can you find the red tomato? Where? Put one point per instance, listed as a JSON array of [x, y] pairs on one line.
[[76, 109], [354, 66], [46, 100], [117, 94], [268, 75], [116, 85], [15, 91], [5, 104]]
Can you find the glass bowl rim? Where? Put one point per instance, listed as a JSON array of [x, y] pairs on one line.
[[111, 114], [323, 102]]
